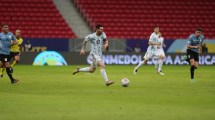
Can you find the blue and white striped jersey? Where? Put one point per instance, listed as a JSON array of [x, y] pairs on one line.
[[96, 43], [153, 38]]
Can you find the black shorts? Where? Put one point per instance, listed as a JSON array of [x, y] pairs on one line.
[[13, 54], [5, 58], [192, 55]]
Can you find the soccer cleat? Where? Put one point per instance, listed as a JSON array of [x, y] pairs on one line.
[[160, 72], [109, 82], [14, 81], [76, 71], [192, 80], [183, 58], [135, 71]]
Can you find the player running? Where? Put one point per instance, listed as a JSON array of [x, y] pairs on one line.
[[6, 40], [160, 55], [194, 46], [152, 49], [96, 39], [15, 48]]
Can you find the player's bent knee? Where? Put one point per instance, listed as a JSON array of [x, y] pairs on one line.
[[192, 63], [102, 66], [161, 57]]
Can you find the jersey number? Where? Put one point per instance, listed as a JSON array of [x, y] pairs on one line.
[[97, 42]]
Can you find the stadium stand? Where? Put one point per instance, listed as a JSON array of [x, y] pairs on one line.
[[136, 18], [36, 18]]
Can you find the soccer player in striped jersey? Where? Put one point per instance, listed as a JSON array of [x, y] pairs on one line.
[[6, 40], [96, 39], [194, 48], [160, 55], [151, 50]]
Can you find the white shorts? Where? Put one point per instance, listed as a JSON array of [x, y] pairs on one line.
[[160, 52], [149, 54], [94, 58]]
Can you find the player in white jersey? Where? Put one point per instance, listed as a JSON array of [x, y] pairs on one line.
[[160, 55], [96, 39], [152, 48]]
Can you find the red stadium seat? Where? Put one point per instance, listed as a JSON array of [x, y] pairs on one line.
[[179, 17], [37, 18]]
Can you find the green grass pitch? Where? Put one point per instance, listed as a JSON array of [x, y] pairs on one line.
[[53, 93]]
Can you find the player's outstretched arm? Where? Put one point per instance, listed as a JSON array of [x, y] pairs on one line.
[[83, 48], [106, 44]]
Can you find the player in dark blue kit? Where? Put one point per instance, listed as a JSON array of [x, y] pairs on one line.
[[6, 40], [194, 46]]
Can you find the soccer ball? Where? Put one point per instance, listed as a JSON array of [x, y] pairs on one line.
[[125, 82]]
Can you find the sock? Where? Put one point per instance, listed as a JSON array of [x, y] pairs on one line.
[[160, 64], [156, 64], [104, 75], [1, 71], [9, 73], [14, 63], [86, 69], [140, 64], [192, 68]]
